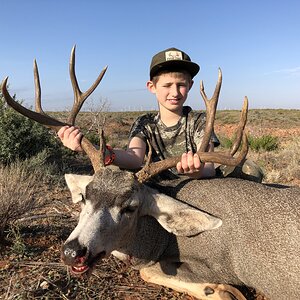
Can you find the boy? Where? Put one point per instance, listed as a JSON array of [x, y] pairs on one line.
[[175, 130]]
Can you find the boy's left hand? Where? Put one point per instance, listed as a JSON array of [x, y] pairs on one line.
[[190, 163], [71, 137]]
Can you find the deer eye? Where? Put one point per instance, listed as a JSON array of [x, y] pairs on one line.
[[128, 210]]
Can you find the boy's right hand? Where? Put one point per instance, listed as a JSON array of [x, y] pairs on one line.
[[71, 137], [190, 163]]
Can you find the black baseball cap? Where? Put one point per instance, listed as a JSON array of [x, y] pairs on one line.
[[172, 58]]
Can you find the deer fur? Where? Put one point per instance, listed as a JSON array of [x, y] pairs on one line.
[[195, 236]]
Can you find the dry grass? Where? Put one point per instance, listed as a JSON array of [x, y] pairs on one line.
[[283, 166], [17, 193]]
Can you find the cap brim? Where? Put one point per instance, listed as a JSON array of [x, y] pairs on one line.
[[189, 66]]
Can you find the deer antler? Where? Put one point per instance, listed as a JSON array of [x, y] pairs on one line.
[[96, 156], [211, 107], [80, 97], [151, 169]]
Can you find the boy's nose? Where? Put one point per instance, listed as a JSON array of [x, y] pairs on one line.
[[174, 91]]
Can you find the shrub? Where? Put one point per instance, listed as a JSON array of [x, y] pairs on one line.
[[53, 168], [21, 138], [93, 137], [264, 143], [225, 142]]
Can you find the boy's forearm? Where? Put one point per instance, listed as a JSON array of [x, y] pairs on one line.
[[127, 159]]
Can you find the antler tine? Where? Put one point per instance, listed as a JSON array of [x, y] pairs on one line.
[[40, 118], [37, 85], [80, 97], [102, 148], [211, 106], [241, 128], [149, 156]]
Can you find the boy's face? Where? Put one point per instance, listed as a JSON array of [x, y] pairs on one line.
[[171, 90]]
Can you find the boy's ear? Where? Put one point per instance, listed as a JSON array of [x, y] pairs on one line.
[[150, 86], [191, 84]]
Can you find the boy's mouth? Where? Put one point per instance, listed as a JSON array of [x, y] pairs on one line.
[[174, 101]]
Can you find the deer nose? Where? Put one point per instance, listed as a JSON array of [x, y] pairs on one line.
[[74, 253]]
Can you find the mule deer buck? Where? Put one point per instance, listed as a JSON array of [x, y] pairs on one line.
[[202, 237]]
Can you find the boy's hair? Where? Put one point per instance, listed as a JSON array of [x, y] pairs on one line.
[[173, 60], [175, 72]]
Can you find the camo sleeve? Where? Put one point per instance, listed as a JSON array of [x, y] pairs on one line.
[[139, 127]]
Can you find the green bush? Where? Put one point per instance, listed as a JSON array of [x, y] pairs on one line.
[[21, 138], [225, 142], [94, 137], [264, 143]]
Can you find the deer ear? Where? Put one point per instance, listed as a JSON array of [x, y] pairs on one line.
[[180, 218], [77, 185]]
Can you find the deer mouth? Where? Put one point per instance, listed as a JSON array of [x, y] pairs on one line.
[[79, 270], [86, 266]]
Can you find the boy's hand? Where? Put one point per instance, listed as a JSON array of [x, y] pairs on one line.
[[190, 163], [71, 137]]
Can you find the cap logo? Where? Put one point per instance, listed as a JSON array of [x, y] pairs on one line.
[[173, 55]]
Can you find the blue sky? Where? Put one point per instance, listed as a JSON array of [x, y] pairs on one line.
[[256, 44]]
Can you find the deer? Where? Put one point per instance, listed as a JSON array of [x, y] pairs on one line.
[[207, 238]]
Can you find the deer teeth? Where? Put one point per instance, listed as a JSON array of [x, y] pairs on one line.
[[79, 269]]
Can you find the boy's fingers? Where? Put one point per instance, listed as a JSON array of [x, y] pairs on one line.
[[184, 162], [197, 162], [74, 132], [62, 131], [190, 161], [70, 129], [179, 167], [78, 137]]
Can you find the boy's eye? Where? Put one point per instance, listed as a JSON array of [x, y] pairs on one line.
[[182, 84]]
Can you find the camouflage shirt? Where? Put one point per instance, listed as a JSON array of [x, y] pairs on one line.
[[184, 136]]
